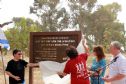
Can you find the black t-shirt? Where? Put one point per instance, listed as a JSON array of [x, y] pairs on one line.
[[17, 68]]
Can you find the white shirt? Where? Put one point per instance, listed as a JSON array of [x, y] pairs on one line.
[[118, 67]]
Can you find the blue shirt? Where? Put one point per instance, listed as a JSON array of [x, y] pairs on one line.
[[96, 65]]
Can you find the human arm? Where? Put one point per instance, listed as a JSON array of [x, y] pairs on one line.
[[94, 73], [9, 71], [32, 64], [84, 43], [121, 71], [13, 76], [26, 64], [65, 71], [114, 78]]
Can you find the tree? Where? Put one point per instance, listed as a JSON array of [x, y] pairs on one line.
[[52, 19], [105, 25], [18, 36], [97, 22]]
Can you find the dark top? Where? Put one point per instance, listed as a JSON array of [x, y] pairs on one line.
[[17, 68]]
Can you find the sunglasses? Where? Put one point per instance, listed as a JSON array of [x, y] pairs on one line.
[[19, 54]]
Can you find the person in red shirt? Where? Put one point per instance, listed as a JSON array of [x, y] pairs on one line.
[[76, 66]]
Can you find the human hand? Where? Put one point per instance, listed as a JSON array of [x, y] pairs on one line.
[[17, 78], [89, 67], [90, 73], [60, 74], [84, 41], [107, 79], [107, 76]]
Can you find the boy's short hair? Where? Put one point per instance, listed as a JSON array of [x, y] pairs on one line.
[[71, 52], [15, 51]]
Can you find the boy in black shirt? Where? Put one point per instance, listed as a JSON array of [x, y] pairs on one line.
[[16, 68]]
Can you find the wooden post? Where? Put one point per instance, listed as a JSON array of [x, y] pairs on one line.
[[30, 75], [31, 61], [3, 65]]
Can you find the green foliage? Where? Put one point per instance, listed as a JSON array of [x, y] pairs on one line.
[[52, 19], [98, 23], [105, 26], [18, 36]]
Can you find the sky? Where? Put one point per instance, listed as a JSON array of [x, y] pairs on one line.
[[122, 14], [14, 8], [20, 8]]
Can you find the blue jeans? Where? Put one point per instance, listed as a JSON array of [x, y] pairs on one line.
[[22, 83]]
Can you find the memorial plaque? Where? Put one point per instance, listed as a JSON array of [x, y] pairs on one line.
[[50, 46]]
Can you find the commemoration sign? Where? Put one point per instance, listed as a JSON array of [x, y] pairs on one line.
[[50, 46]]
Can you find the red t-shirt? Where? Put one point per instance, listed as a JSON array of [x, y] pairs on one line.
[[77, 68]]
